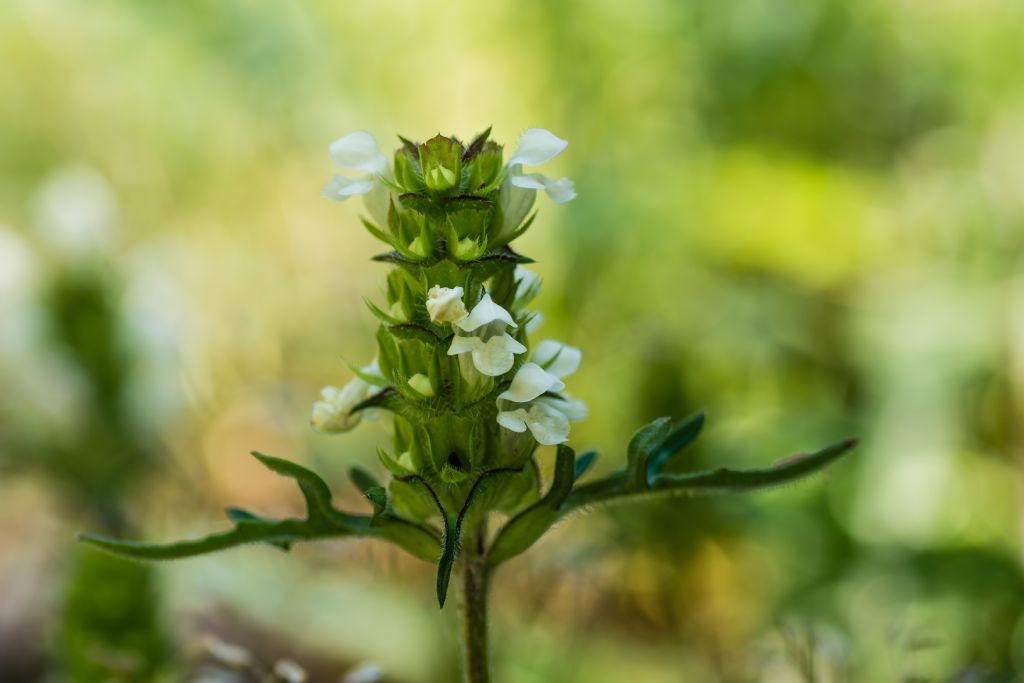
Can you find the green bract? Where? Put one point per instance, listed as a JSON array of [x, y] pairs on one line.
[[471, 396]]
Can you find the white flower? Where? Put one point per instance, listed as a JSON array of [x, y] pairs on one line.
[[492, 349], [527, 285], [75, 213], [357, 151], [557, 358], [484, 313], [333, 413], [492, 357], [444, 304], [527, 403], [538, 146]]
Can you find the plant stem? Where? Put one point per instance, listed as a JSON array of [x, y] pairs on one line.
[[473, 613]]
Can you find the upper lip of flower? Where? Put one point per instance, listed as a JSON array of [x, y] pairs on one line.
[[357, 151], [484, 313], [539, 146]]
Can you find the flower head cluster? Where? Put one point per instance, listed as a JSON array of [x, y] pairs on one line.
[[454, 337]]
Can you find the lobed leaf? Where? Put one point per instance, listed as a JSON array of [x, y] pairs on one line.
[[621, 486], [322, 521]]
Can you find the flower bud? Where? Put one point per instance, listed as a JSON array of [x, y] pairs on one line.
[[444, 304], [421, 385], [441, 164]]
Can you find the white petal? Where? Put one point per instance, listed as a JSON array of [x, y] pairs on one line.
[[530, 382], [534, 323], [561, 191], [557, 358], [513, 420], [359, 151], [537, 146], [485, 312], [496, 356], [572, 409], [340, 188], [444, 304], [462, 345], [548, 426], [530, 181], [378, 203], [515, 203], [527, 284]]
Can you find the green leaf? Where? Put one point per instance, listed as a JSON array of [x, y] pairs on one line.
[[682, 436], [645, 442], [619, 486], [240, 515], [486, 489], [583, 463], [523, 530], [322, 521], [371, 488], [362, 478], [449, 539], [725, 480]]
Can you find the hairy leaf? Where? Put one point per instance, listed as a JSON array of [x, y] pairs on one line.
[[322, 521], [620, 486]]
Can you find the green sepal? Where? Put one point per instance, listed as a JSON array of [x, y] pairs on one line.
[[322, 521], [476, 146], [504, 255], [399, 258], [521, 230], [620, 486], [392, 465], [523, 530], [369, 378], [379, 234], [382, 315], [407, 175]]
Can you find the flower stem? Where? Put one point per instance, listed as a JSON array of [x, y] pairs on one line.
[[473, 614]]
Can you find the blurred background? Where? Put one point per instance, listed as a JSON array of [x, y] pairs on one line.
[[805, 217]]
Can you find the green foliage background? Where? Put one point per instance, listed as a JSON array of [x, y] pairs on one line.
[[805, 217]]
